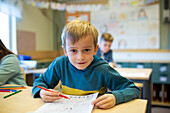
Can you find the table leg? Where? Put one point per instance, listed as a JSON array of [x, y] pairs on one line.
[[146, 92]]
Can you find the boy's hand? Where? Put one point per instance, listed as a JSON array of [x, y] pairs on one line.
[[105, 101], [49, 96]]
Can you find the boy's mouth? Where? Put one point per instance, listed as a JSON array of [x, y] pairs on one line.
[[81, 63]]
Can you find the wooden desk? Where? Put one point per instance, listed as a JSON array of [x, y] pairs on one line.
[[35, 72], [140, 76], [135, 73], [24, 102], [127, 72]]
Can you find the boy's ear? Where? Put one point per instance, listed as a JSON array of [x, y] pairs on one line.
[[96, 49], [65, 52]]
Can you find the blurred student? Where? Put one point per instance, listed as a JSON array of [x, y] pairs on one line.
[[104, 50], [10, 71], [81, 72]]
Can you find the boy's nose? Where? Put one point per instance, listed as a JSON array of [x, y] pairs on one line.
[[80, 56], [107, 47]]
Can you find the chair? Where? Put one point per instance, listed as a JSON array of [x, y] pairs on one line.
[[24, 75], [140, 85]]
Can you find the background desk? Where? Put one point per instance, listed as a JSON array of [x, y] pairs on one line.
[[35, 72], [24, 102], [140, 76], [137, 75]]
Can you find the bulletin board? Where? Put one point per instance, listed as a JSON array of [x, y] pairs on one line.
[[81, 15], [132, 28]]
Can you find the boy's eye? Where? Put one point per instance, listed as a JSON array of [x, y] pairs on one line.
[[87, 50], [105, 45], [73, 51]]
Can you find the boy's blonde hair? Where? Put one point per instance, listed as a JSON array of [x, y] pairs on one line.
[[106, 37], [78, 29]]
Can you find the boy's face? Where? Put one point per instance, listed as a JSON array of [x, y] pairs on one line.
[[81, 53], [105, 46]]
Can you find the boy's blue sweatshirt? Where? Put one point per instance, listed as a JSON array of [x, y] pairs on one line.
[[97, 77]]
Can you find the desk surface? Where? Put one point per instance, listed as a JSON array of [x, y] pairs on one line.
[[36, 71], [131, 73], [135, 73], [24, 102]]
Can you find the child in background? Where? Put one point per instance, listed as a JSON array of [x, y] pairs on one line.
[[10, 71], [81, 72], [104, 50]]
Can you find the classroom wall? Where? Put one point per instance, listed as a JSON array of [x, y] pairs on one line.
[[48, 29], [164, 30], [58, 25], [34, 21], [152, 56]]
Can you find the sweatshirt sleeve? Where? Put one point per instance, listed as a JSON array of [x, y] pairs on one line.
[[9, 67], [47, 80], [122, 88]]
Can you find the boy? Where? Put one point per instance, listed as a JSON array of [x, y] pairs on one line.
[[81, 72], [104, 50]]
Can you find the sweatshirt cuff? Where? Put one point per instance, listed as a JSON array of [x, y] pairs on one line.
[[119, 97], [36, 92]]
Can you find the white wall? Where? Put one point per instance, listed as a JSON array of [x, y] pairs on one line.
[[154, 57], [34, 21]]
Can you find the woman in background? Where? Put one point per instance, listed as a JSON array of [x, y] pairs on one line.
[[10, 70]]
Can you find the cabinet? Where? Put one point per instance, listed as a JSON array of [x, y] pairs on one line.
[[161, 94], [160, 88]]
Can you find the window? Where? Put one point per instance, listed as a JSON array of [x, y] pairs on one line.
[[8, 31], [4, 29]]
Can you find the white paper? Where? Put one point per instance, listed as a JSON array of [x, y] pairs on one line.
[[76, 104]]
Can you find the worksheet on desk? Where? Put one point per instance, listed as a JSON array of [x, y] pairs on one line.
[[76, 104]]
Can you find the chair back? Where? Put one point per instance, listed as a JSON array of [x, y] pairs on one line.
[[24, 75]]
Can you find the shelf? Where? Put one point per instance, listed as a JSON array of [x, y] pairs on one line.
[[45, 60], [157, 103]]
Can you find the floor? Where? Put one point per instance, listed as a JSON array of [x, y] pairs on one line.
[[160, 109]]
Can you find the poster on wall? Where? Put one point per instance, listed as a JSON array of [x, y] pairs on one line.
[[74, 15], [132, 27]]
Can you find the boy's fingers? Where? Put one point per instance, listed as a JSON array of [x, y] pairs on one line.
[[105, 106], [55, 93], [102, 102], [51, 99], [99, 99], [50, 96]]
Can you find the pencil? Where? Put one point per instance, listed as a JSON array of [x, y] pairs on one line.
[[12, 87], [12, 94], [7, 90], [52, 91]]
